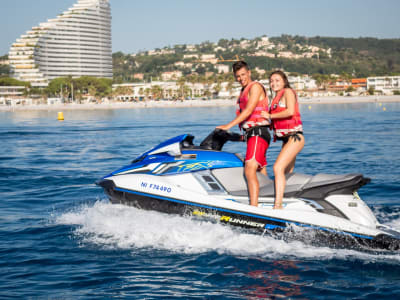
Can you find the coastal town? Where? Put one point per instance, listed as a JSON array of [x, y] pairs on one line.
[[37, 71]]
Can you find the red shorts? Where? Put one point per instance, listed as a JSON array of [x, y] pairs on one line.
[[257, 149]]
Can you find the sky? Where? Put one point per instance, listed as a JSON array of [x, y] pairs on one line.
[[148, 24]]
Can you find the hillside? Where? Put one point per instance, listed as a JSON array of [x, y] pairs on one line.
[[348, 57], [356, 57]]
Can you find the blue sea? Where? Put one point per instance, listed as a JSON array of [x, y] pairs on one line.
[[62, 239]]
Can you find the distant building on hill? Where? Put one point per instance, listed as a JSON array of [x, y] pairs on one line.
[[223, 68], [139, 76], [171, 75], [76, 43]]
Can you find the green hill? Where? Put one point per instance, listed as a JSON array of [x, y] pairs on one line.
[[356, 57]]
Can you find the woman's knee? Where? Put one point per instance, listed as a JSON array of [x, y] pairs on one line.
[[279, 168]]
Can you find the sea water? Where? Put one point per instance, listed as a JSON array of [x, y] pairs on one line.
[[62, 239]]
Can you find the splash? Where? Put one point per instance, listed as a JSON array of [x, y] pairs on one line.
[[388, 217], [121, 227]]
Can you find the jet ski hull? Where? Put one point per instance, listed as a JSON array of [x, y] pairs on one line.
[[278, 227], [177, 177]]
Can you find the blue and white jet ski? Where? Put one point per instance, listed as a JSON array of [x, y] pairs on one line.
[[202, 181]]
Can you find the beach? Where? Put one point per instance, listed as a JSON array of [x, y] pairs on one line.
[[190, 103]]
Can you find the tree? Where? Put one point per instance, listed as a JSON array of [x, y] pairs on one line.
[[371, 91], [68, 86], [4, 70], [181, 84], [122, 90], [59, 87], [230, 86], [7, 81], [217, 88], [156, 91], [147, 93], [346, 76], [322, 80]]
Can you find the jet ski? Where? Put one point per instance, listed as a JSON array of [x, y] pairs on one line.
[[178, 177]]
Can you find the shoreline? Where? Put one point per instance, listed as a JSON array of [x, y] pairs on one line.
[[191, 103]]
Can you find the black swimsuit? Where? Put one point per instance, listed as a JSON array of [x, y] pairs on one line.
[[295, 136]]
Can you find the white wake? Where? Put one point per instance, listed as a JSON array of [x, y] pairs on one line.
[[122, 227]]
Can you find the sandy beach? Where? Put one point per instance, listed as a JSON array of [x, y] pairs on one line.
[[193, 103]]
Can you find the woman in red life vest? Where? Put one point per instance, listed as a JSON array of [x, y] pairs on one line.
[[285, 117], [251, 102]]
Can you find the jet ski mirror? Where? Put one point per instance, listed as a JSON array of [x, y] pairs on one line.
[[217, 139]]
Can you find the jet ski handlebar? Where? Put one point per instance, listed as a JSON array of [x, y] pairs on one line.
[[217, 139]]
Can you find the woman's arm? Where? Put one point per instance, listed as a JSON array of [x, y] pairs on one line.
[[290, 102]]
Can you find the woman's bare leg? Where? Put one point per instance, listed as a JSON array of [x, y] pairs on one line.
[[284, 162], [290, 167]]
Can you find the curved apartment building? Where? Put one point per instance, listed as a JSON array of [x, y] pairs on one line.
[[76, 43]]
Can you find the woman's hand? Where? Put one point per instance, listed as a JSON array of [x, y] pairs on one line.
[[265, 115]]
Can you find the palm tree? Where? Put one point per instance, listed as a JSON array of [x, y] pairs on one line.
[[147, 92], [156, 91], [322, 80], [181, 83]]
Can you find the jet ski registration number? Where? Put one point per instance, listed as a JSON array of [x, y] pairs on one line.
[[158, 187]]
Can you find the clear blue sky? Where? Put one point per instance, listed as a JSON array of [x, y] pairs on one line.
[[148, 24]]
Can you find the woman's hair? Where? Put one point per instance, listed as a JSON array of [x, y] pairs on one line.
[[284, 77]]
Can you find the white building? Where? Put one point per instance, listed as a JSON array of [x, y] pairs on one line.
[[384, 84], [263, 42], [173, 75], [260, 71], [190, 56], [245, 44], [76, 43], [209, 58], [169, 90], [263, 53], [190, 48], [12, 91], [223, 68]]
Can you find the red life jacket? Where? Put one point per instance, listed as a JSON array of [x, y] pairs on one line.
[[285, 126], [255, 119]]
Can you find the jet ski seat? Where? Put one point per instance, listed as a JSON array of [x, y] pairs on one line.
[[300, 185], [234, 182]]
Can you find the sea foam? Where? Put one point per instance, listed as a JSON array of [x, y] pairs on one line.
[[122, 227]]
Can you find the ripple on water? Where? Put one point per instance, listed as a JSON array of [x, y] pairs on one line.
[[60, 239]]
